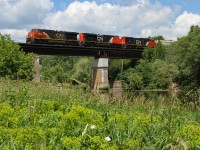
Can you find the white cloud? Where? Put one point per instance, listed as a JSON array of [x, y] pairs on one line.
[[18, 13], [109, 19], [18, 35], [141, 18], [183, 23], [177, 29]]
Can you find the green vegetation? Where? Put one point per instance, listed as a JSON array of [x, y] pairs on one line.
[[61, 69], [162, 66], [185, 54], [46, 116], [14, 64], [159, 68], [49, 115], [152, 71]]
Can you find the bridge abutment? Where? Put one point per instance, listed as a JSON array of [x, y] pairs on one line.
[[100, 74], [36, 76]]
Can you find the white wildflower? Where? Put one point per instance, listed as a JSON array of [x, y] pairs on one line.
[[93, 127], [84, 131], [108, 138]]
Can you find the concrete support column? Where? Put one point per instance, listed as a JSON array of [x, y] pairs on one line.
[[100, 74], [36, 76], [118, 88]]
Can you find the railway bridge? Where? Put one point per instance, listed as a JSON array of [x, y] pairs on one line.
[[100, 62]]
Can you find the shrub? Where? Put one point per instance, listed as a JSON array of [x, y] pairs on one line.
[[14, 64]]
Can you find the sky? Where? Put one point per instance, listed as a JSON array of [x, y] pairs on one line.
[[136, 18]]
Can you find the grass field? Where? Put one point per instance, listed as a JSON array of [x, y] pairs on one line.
[[49, 116]]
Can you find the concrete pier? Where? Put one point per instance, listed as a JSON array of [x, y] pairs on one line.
[[100, 74], [118, 88], [36, 76]]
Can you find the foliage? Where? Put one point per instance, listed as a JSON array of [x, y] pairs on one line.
[[187, 58], [48, 117], [14, 64], [191, 134], [57, 68], [159, 37], [83, 70], [61, 69], [151, 54], [116, 66], [161, 66], [152, 71]]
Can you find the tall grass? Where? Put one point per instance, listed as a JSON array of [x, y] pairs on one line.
[[50, 116]]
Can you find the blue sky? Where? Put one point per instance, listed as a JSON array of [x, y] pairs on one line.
[[136, 18]]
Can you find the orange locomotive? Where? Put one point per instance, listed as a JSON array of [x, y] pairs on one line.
[[44, 36]]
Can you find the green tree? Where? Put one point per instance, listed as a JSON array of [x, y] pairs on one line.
[[82, 70], [151, 54], [63, 68], [55, 74], [162, 74], [14, 64], [117, 66], [57, 68], [152, 71], [188, 57], [159, 37]]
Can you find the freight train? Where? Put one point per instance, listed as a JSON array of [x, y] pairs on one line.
[[44, 36]]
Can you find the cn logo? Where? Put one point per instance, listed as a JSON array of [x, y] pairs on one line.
[[138, 42], [99, 38]]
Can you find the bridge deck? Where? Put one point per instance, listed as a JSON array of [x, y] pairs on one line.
[[98, 52]]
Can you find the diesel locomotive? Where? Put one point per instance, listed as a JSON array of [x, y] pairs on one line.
[[44, 36]]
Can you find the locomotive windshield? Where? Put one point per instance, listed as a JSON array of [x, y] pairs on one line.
[[34, 30]]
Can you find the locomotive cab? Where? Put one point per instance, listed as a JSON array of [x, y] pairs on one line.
[[35, 35]]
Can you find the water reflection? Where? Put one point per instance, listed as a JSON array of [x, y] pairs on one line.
[[164, 95], [147, 94]]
